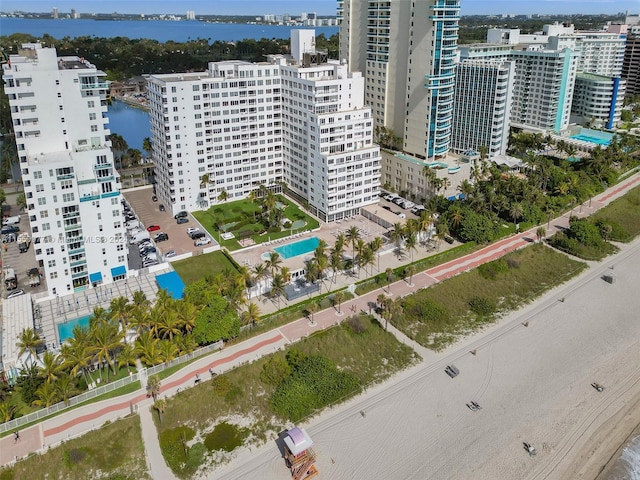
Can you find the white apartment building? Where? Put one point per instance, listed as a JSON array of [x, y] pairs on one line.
[[58, 106], [598, 100], [407, 51], [299, 120], [482, 107]]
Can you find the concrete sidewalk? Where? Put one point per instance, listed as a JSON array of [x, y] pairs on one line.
[[80, 420]]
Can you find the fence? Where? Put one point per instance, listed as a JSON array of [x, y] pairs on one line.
[[109, 387]]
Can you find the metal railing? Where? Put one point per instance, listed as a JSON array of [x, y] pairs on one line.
[[109, 387]]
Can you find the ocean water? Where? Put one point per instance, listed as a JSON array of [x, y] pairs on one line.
[[627, 467], [160, 30]]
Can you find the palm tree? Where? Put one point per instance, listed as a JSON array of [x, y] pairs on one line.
[[47, 395], [338, 298], [251, 315], [335, 262], [273, 264], [411, 242], [382, 300], [366, 258], [127, 357], [224, 196], [389, 275], [360, 247], [186, 313], [391, 312], [169, 325], [66, 388], [397, 234], [7, 412], [277, 287], [147, 346], [375, 245], [28, 341], [516, 211], [120, 309], [147, 146], [353, 235], [204, 180], [455, 216], [77, 355], [52, 367], [341, 241], [153, 386], [160, 406], [259, 272], [322, 263], [312, 308], [168, 350], [410, 270], [105, 339], [541, 232]]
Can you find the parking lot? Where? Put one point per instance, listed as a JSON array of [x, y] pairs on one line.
[[397, 209], [148, 213], [22, 263]]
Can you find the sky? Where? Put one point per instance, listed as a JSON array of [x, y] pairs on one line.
[[322, 7]]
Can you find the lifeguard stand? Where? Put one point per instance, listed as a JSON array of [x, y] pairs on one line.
[[298, 454]]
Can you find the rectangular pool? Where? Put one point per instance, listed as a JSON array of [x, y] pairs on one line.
[[291, 250], [593, 136], [65, 330]]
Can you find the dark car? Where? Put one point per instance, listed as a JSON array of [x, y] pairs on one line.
[[182, 220], [452, 371], [161, 208], [161, 237], [153, 228], [197, 235], [154, 198], [9, 229], [386, 207], [180, 214]]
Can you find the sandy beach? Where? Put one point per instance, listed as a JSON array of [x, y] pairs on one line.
[[533, 383]]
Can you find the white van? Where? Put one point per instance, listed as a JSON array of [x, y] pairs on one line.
[[132, 224], [11, 220], [139, 238]]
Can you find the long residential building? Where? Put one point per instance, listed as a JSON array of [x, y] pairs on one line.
[[482, 108], [407, 52], [298, 120], [58, 107]]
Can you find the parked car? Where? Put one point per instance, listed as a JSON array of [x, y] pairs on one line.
[[161, 207], [452, 371], [149, 263], [9, 229], [153, 228], [180, 214], [400, 214], [448, 239], [200, 242], [386, 207], [399, 201], [161, 237], [154, 198], [417, 209], [16, 293], [182, 220], [147, 250], [170, 253], [408, 204], [191, 230], [390, 197], [197, 235]]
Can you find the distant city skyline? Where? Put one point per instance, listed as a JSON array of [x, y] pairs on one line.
[[321, 7]]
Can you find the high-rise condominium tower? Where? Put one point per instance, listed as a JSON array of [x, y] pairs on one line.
[[58, 106], [407, 51]]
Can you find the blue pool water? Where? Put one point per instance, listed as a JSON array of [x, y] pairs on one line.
[[298, 248], [593, 136], [65, 330]]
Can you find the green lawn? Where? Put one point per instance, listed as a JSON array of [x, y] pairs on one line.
[[438, 316], [371, 356], [199, 266], [113, 452], [244, 215], [623, 215]]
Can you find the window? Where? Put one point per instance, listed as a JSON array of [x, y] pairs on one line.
[[42, 201], [51, 263]]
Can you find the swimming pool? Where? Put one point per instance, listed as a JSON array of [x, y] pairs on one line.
[[65, 330], [593, 136], [291, 250]]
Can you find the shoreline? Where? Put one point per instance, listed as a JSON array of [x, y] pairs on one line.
[[598, 457]]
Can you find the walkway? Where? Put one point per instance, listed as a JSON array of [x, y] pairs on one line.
[[78, 421]]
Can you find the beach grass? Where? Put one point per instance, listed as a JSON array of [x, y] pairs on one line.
[[241, 397], [623, 214], [115, 448], [438, 316]]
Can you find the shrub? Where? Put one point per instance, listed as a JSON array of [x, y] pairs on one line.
[[482, 306], [356, 325], [286, 224], [221, 385], [295, 357], [275, 370], [491, 270], [225, 437], [74, 456], [174, 446], [315, 384]]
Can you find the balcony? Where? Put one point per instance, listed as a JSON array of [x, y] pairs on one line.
[[93, 86]]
